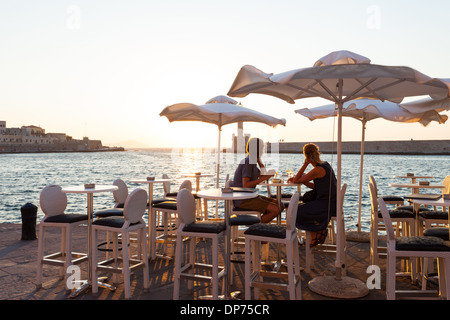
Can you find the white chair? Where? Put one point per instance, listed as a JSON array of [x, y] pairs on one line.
[[287, 235], [120, 195], [388, 199], [193, 229], [414, 247], [404, 220], [53, 203], [435, 217], [325, 248], [164, 219], [134, 209]]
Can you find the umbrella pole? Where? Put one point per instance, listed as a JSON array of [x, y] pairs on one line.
[[339, 286], [361, 166], [218, 165]]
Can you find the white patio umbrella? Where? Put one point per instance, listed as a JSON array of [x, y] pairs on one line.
[[220, 110], [369, 109], [339, 77]]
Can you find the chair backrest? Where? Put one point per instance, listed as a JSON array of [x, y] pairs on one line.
[[135, 205], [386, 219], [186, 207], [446, 183], [291, 214], [372, 181], [166, 185], [186, 184], [121, 194], [373, 198], [52, 200]]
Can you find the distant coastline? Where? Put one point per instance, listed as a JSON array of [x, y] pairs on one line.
[[401, 147]]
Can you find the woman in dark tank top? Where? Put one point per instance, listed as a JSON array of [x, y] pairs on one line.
[[315, 215]]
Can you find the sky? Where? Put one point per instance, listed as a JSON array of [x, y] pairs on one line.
[[106, 69]]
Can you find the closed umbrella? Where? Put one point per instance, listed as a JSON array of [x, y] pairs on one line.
[[368, 109], [339, 77], [220, 110]]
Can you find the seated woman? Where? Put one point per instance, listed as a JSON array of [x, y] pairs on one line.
[[315, 215], [247, 175]]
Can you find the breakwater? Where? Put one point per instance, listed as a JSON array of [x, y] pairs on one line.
[[406, 147]]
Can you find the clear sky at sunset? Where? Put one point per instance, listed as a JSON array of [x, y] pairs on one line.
[[106, 68]]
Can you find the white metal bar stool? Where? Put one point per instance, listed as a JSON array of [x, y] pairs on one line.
[[286, 235], [190, 227], [53, 202], [134, 208]]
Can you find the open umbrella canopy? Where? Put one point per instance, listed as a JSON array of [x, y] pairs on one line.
[[369, 109], [219, 114], [359, 77]]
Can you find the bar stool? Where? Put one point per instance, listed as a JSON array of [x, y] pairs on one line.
[[190, 227], [132, 221], [286, 235], [53, 203]]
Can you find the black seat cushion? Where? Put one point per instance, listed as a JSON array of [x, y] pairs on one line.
[[434, 214], [267, 230], [111, 222], [398, 213], [169, 204], [283, 196], [205, 227], [440, 232], [392, 198], [421, 244], [244, 220], [172, 194], [411, 208], [241, 210], [67, 218], [110, 212]]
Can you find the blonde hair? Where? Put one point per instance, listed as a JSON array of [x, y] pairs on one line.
[[255, 147], [311, 152]]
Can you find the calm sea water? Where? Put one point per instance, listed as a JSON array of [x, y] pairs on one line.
[[22, 176]]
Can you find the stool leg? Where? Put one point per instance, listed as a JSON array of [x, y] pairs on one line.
[[144, 256], [248, 256], [68, 252], [94, 261], [40, 255], [290, 270], [178, 255], [215, 269], [297, 269], [192, 260], [125, 265]]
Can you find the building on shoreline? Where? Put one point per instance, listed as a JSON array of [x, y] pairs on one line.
[[34, 139]]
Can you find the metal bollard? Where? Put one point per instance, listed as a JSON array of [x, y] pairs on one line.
[[29, 216]]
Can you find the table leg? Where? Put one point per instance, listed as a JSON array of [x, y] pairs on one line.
[[86, 284]]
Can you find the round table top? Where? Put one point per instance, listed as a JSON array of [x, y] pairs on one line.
[[415, 185], [193, 175], [439, 203], [97, 188], [413, 177], [151, 181], [281, 184], [217, 194]]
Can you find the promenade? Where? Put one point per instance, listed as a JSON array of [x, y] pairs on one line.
[[18, 272]]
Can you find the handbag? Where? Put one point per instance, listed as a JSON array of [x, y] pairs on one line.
[[309, 195]]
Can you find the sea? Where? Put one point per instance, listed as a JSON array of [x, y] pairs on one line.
[[23, 176]]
